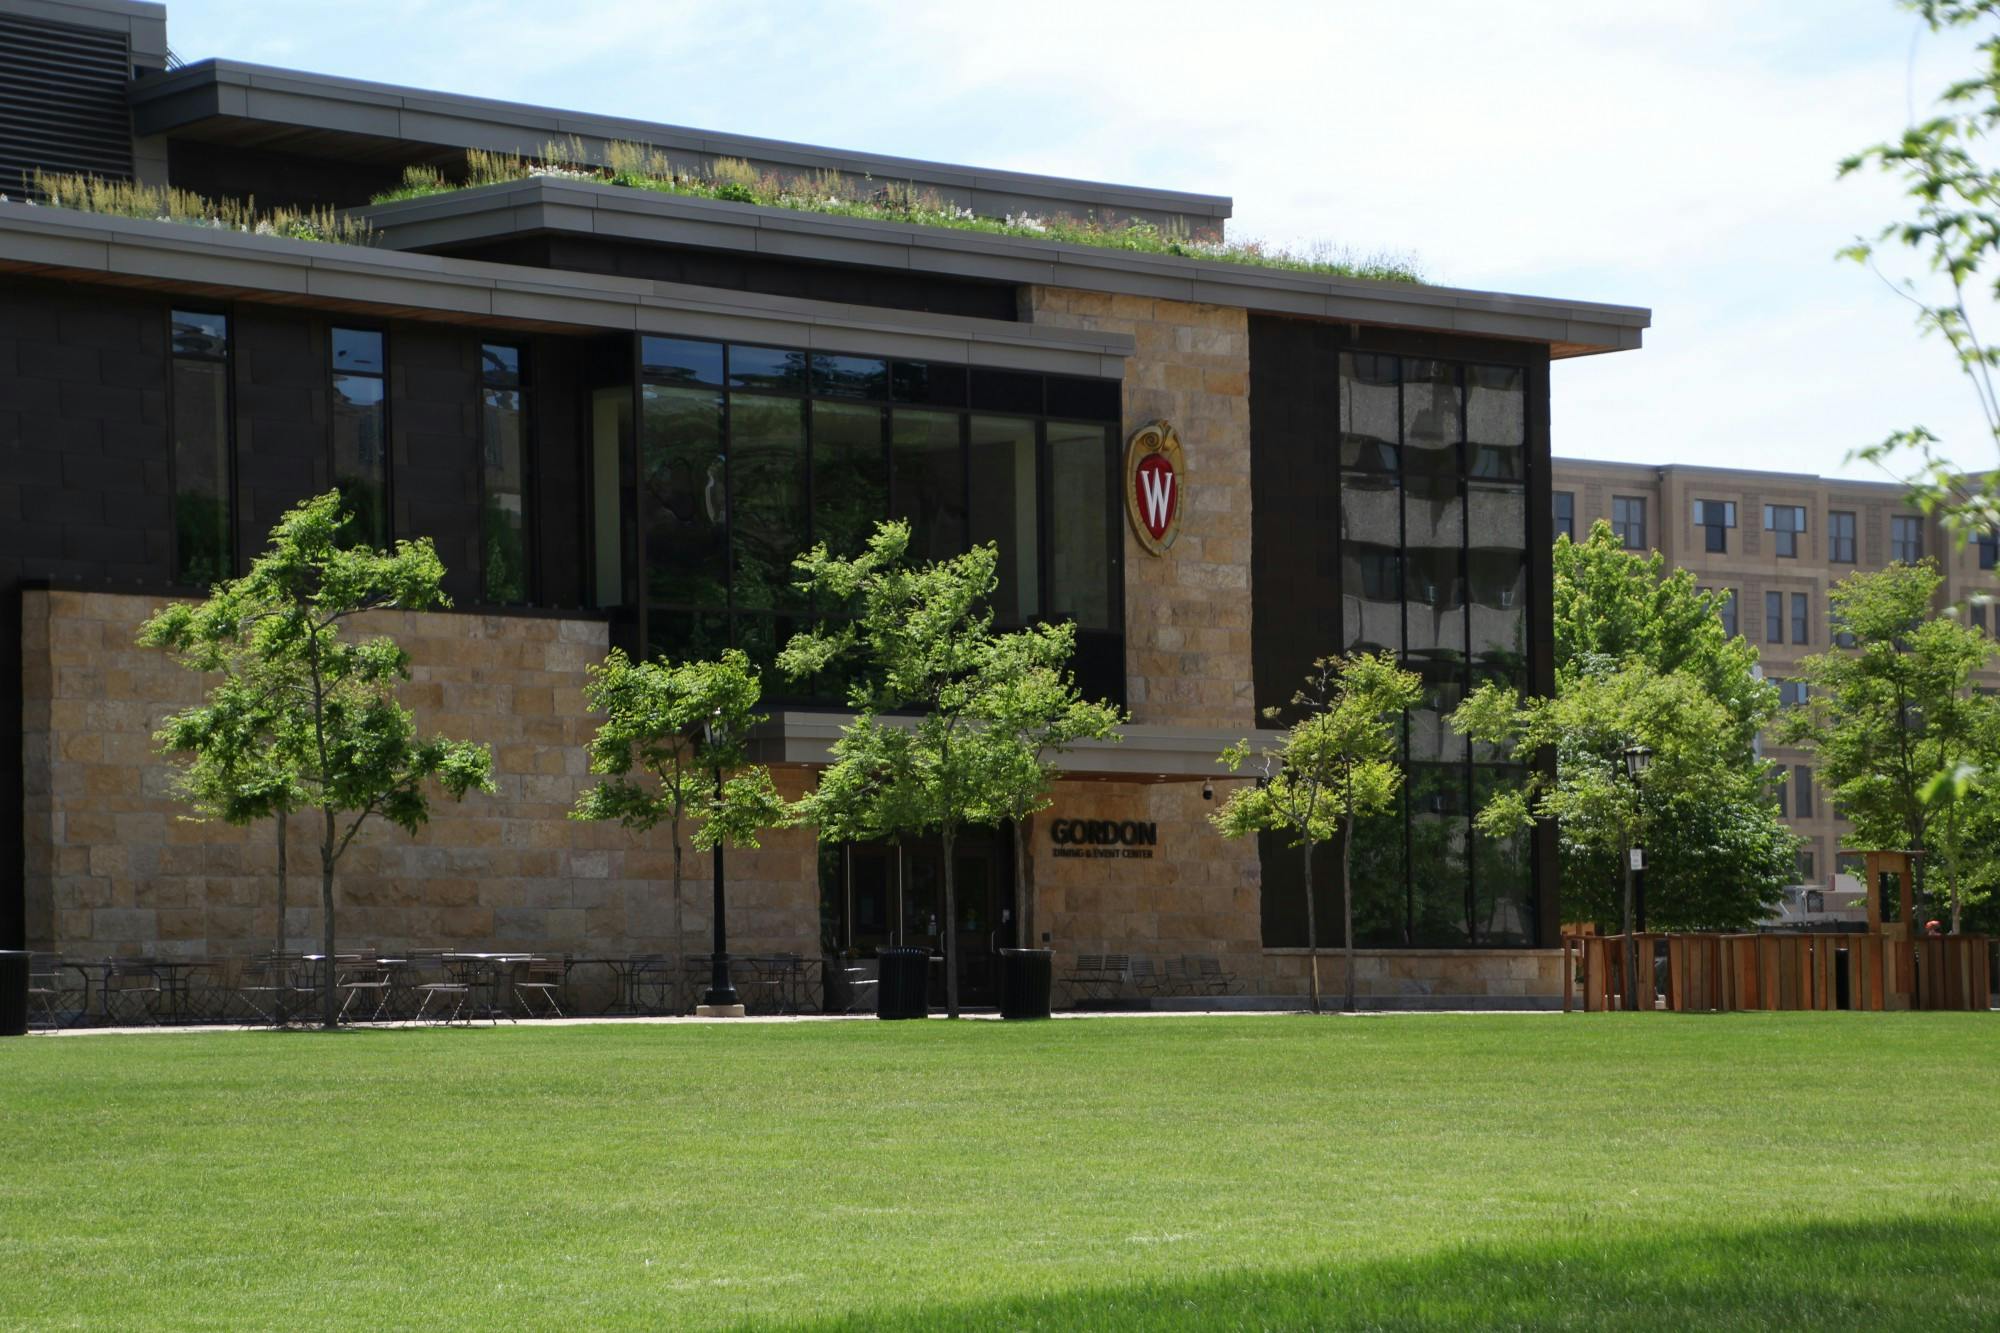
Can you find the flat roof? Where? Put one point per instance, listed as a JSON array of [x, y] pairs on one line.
[[262, 105], [1734, 473], [613, 212], [131, 252]]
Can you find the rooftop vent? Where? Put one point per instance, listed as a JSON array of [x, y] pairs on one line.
[[62, 101]]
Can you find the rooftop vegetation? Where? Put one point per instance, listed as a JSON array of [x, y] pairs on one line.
[[125, 199], [639, 167]]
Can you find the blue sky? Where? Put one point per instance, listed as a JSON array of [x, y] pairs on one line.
[[1675, 154]]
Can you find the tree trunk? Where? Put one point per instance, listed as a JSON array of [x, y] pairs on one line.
[[328, 995], [680, 941], [1024, 890], [1347, 902], [1312, 928], [950, 928], [1631, 945], [277, 955]]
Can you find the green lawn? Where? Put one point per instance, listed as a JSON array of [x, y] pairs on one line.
[[1622, 1171]]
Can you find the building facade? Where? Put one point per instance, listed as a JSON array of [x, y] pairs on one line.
[[1778, 542], [619, 414]]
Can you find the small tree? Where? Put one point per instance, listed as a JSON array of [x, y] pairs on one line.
[[307, 709], [924, 637], [672, 748], [1895, 723], [1032, 708], [1334, 766]]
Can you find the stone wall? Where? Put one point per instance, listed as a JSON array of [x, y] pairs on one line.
[[115, 866], [1187, 613]]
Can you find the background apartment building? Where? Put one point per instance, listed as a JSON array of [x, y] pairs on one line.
[[1777, 542]]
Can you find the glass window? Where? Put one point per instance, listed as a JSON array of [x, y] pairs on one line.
[[1715, 518], [923, 383], [1801, 618], [1443, 910], [1976, 613], [1906, 539], [610, 446], [1431, 423], [1496, 421], [1002, 470], [927, 480], [1774, 617], [850, 475], [1565, 507], [1083, 535], [1371, 585], [503, 520], [1815, 900], [1368, 413], [1840, 537], [684, 498], [1989, 550], [1793, 693], [1783, 789], [1727, 610], [767, 368], [1802, 791], [1497, 578], [1786, 523], [767, 486], [1434, 564], [204, 524], [681, 361], [361, 435], [1503, 871], [849, 376], [1841, 636], [1628, 521]]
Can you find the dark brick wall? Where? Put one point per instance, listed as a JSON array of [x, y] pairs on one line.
[[85, 450]]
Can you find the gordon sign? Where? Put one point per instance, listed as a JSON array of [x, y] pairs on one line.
[[1155, 485], [1122, 838]]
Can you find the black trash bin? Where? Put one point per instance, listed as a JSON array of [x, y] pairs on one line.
[[1026, 978], [902, 990], [13, 993]]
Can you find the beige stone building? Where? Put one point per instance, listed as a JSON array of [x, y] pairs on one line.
[[1778, 542]]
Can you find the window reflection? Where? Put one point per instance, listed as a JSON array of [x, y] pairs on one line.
[[360, 435], [1003, 510]]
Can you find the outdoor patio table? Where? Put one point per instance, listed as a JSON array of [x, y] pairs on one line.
[[175, 975], [491, 977]]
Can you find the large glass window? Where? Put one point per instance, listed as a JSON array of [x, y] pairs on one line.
[[1628, 521], [1840, 537], [204, 546], [1786, 524], [361, 434], [1906, 538], [749, 455], [503, 515], [1801, 618], [1774, 617], [1565, 513], [1715, 518]]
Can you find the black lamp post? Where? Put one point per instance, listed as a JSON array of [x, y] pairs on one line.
[[1638, 758], [721, 994]]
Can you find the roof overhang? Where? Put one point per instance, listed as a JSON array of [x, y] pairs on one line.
[[1143, 754], [129, 252], [619, 213], [258, 106]]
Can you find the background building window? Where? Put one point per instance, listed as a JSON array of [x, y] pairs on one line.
[[1801, 618], [1815, 899], [1628, 520], [1906, 538], [1793, 693], [1774, 617], [1728, 610], [1840, 537], [1565, 507], [204, 526], [1803, 796], [1989, 549], [361, 434], [1715, 518], [1783, 790], [1786, 523], [503, 432], [1977, 614], [1842, 637]]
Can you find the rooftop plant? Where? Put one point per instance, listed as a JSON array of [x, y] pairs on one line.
[[641, 167], [126, 199]]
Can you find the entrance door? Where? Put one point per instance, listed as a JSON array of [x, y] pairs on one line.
[[876, 894]]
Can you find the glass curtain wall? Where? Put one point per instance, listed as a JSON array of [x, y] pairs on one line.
[[361, 434], [748, 456], [203, 520], [503, 518], [1434, 532]]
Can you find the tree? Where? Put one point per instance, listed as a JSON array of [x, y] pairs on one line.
[[1031, 708], [1897, 728], [923, 636], [1698, 784], [310, 706], [1717, 856], [1954, 189], [1335, 765], [672, 748]]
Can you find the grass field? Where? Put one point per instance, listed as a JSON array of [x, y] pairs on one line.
[[1609, 1171]]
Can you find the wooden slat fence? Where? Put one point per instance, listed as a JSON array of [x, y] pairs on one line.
[[1719, 973]]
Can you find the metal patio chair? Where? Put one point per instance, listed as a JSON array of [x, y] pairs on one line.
[[1215, 979], [45, 989], [369, 982], [541, 980], [1144, 977], [132, 991]]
